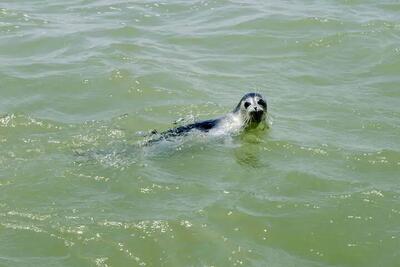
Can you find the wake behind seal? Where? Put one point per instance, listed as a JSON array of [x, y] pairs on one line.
[[249, 113]]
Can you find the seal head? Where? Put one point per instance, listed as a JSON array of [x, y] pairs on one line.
[[252, 110]]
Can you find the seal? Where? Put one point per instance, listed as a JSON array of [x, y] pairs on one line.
[[249, 113]]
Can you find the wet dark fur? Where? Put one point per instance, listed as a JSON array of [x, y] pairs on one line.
[[203, 126]]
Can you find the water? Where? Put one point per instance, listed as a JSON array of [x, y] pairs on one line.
[[80, 79]]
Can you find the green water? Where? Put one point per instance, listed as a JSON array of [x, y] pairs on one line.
[[80, 79]]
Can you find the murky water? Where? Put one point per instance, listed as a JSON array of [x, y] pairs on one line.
[[80, 80]]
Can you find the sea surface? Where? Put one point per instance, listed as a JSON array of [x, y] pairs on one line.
[[83, 82]]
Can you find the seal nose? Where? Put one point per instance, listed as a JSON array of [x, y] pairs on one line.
[[255, 108]]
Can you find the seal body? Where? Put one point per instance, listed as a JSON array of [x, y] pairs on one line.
[[249, 113], [203, 126]]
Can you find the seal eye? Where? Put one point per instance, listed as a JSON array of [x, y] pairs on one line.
[[246, 105], [261, 102]]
